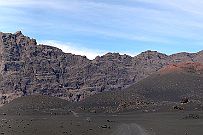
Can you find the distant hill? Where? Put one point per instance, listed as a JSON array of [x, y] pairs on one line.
[[169, 87], [36, 104], [27, 68], [173, 83]]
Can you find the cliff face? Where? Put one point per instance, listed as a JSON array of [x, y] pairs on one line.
[[27, 68]]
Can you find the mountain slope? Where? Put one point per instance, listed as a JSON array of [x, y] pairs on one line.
[[161, 91], [173, 83]]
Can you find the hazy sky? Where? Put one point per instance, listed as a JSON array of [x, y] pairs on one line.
[[94, 27]]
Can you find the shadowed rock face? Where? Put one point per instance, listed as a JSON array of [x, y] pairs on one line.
[[27, 68]]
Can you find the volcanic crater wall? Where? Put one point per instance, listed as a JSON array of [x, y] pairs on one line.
[[27, 68]]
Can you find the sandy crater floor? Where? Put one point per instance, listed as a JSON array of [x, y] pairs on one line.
[[176, 123]]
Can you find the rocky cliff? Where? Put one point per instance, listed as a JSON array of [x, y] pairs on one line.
[[27, 68]]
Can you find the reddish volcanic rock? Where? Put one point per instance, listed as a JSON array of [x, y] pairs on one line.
[[192, 67]]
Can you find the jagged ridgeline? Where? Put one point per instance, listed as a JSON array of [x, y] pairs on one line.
[[28, 69]]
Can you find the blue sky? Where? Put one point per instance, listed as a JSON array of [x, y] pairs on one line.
[[95, 27]]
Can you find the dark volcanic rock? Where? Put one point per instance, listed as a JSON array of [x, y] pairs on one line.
[[27, 68]]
